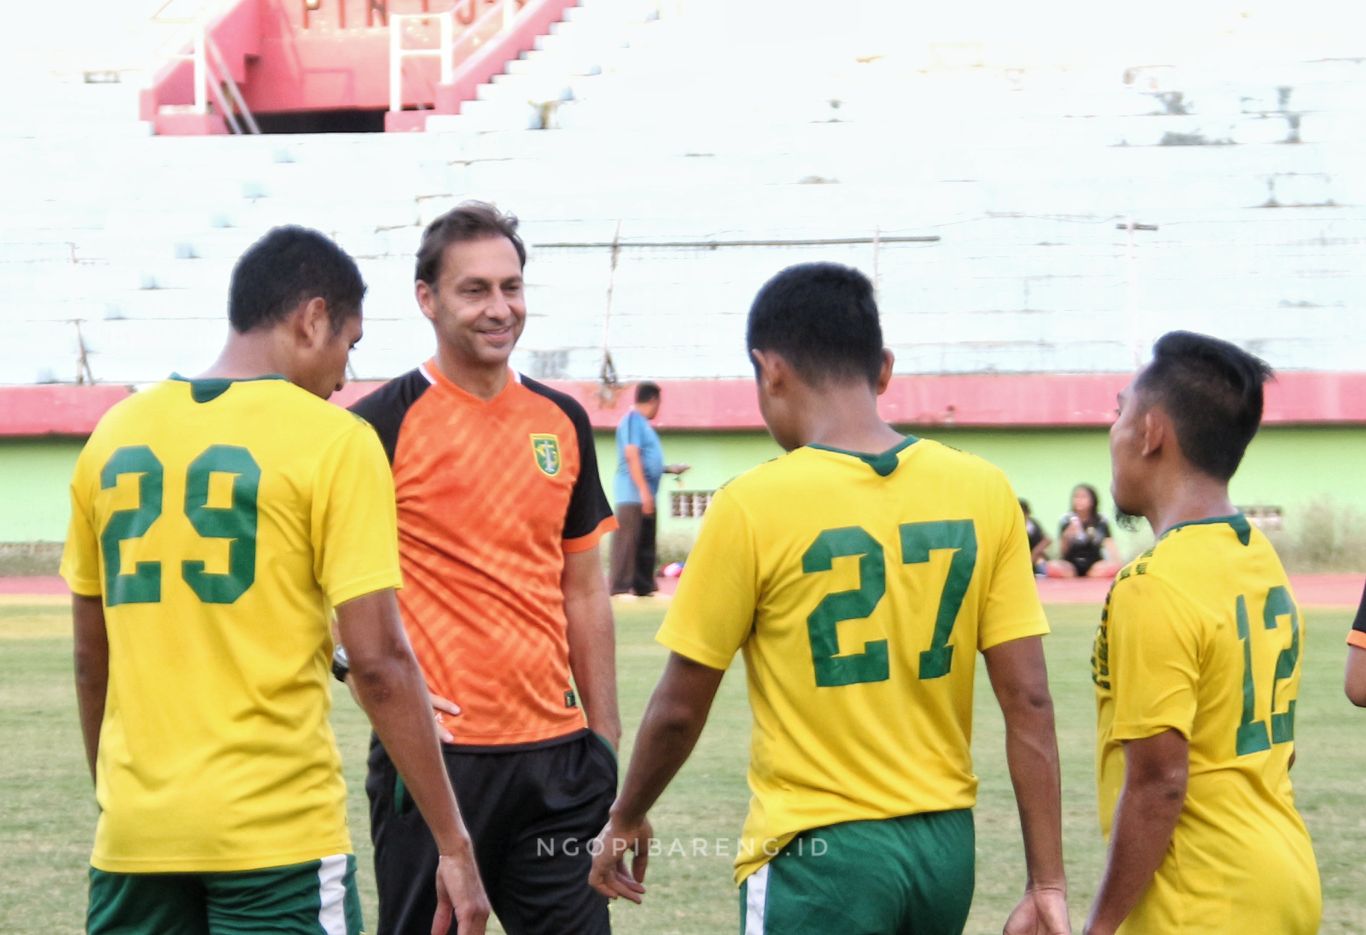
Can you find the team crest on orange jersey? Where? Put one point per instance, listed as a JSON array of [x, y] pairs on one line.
[[546, 448]]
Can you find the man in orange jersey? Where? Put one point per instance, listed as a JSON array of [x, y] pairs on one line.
[[500, 511]]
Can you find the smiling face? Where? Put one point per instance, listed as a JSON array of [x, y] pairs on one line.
[[477, 304]]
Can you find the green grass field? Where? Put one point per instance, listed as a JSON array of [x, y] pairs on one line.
[[49, 813]]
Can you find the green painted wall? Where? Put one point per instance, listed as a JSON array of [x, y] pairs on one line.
[[35, 474], [1293, 468]]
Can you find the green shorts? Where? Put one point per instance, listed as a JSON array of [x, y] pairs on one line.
[[314, 898], [892, 877]]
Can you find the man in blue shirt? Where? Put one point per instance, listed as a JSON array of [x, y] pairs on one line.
[[640, 465]]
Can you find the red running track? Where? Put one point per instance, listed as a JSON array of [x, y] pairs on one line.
[[1310, 590]]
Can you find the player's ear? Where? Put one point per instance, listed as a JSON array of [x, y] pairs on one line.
[[767, 369], [313, 322], [1157, 430], [426, 299], [884, 376]]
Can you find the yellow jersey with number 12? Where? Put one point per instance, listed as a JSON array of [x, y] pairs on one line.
[[219, 521], [858, 588], [1201, 635]]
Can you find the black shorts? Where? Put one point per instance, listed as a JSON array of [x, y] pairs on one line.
[[531, 813], [1082, 562]]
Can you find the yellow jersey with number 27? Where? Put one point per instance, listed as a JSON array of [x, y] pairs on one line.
[[859, 588]]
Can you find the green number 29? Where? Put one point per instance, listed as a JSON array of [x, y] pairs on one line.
[[236, 523], [1252, 733], [918, 540]]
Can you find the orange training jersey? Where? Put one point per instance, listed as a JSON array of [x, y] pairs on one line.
[[491, 495]]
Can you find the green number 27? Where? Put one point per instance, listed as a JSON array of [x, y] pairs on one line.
[[236, 523], [1252, 733], [918, 540]]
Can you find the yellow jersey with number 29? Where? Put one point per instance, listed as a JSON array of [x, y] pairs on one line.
[[219, 521], [1201, 635], [859, 588]]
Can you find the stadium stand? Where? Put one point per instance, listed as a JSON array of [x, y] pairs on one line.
[[1020, 215]]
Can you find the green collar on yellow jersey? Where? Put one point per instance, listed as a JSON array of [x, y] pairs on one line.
[[1238, 521], [884, 463], [210, 388]]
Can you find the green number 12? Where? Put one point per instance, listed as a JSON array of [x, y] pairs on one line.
[[236, 523], [1252, 733], [918, 540]]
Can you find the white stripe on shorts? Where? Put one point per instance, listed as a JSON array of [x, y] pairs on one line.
[[756, 901], [332, 894]]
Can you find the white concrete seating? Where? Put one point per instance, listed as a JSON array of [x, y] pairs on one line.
[[721, 142]]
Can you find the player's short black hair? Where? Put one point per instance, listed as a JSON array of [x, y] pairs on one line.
[[287, 266], [823, 320], [647, 392], [469, 220], [1212, 390], [1024, 505]]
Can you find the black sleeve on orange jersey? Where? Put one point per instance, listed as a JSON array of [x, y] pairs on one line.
[[588, 505], [1360, 623], [387, 406]]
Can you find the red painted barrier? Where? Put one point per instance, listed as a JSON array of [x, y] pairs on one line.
[[963, 401], [287, 59]]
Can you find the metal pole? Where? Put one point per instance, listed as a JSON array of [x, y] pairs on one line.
[[448, 46], [201, 71], [395, 64]]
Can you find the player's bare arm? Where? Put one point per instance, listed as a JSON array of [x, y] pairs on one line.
[[1019, 677], [673, 721], [1355, 680], [388, 684], [91, 653], [592, 641], [1155, 771]]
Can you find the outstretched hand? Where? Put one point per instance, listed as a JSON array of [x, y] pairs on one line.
[[609, 875], [1041, 911]]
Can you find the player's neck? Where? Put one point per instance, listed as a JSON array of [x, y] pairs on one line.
[[1191, 497], [246, 357], [480, 380], [847, 419]]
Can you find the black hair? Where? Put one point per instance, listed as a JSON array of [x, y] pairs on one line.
[[1095, 497], [287, 266], [469, 220], [647, 392], [1024, 505], [823, 320], [1212, 390]]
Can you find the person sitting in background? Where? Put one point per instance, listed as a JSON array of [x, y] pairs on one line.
[[1086, 548], [1039, 541]]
